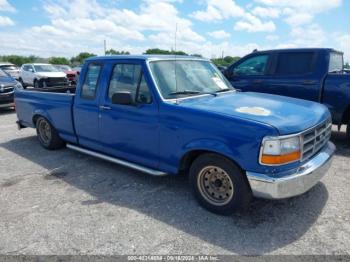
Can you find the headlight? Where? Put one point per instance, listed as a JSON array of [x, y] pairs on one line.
[[278, 151], [18, 85]]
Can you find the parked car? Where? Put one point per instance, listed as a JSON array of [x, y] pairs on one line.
[[314, 74], [164, 116], [77, 69], [72, 75], [42, 75], [7, 86], [11, 69]]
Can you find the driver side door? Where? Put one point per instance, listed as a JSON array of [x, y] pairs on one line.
[[130, 131]]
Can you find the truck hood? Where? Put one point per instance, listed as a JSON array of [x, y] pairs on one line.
[[7, 81], [288, 115], [51, 74]]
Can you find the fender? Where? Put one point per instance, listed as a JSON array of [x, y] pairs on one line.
[[211, 145], [40, 112]]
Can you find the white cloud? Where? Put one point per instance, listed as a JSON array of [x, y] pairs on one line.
[[6, 21], [266, 12], [343, 41], [314, 6], [251, 23], [309, 36], [298, 18], [218, 10], [5, 6], [83, 25], [220, 34], [300, 12]]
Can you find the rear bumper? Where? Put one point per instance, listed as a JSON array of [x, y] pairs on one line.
[[304, 178]]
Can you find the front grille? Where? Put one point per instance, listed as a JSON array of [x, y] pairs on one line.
[[6, 89], [54, 81], [315, 138]]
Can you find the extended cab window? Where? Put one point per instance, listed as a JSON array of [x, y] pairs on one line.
[[335, 62], [129, 77], [294, 63], [90, 83], [252, 66]]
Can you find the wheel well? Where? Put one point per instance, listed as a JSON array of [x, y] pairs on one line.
[[35, 118], [189, 157], [346, 116]]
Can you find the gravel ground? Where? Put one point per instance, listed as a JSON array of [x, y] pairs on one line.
[[63, 202]]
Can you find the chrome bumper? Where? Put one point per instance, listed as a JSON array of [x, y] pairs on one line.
[[304, 178], [12, 104]]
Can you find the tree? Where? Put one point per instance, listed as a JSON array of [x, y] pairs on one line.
[[226, 61], [157, 51], [19, 60], [114, 52], [59, 61], [347, 66], [79, 59]]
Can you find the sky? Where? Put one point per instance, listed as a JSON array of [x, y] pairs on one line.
[[208, 27]]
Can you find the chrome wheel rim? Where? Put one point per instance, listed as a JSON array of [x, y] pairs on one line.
[[215, 185], [44, 131]]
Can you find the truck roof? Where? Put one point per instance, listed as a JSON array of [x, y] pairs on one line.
[[145, 57], [298, 50]]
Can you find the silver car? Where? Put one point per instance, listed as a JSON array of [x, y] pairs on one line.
[[11, 69]]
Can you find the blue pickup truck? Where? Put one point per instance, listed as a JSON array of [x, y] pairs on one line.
[[315, 74], [179, 115]]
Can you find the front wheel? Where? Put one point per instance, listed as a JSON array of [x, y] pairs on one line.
[[36, 84], [48, 135], [219, 185]]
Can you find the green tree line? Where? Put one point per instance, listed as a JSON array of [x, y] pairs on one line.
[[79, 59]]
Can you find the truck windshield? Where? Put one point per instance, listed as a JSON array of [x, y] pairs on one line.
[[179, 78], [3, 74], [45, 68], [8, 67], [335, 62]]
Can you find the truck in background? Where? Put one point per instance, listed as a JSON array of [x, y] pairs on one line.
[[315, 74]]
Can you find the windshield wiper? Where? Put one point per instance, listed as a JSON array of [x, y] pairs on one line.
[[185, 92], [224, 90]]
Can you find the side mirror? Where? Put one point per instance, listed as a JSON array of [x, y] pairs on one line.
[[228, 73], [122, 98]]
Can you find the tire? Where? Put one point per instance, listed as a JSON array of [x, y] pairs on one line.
[[219, 185], [48, 135], [22, 83], [348, 131], [36, 84]]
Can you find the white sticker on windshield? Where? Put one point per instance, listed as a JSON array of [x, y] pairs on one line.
[[219, 82], [258, 111]]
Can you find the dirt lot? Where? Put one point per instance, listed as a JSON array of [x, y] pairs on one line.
[[62, 202]]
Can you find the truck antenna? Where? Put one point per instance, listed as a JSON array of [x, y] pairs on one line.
[[175, 42]]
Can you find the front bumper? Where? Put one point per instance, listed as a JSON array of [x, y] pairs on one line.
[[297, 183]]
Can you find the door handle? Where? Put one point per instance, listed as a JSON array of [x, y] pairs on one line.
[[258, 81], [105, 108], [309, 82]]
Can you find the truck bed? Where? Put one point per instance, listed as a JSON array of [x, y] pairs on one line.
[[55, 104]]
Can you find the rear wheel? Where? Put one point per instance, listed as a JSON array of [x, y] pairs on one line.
[[219, 185], [48, 135], [348, 130]]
